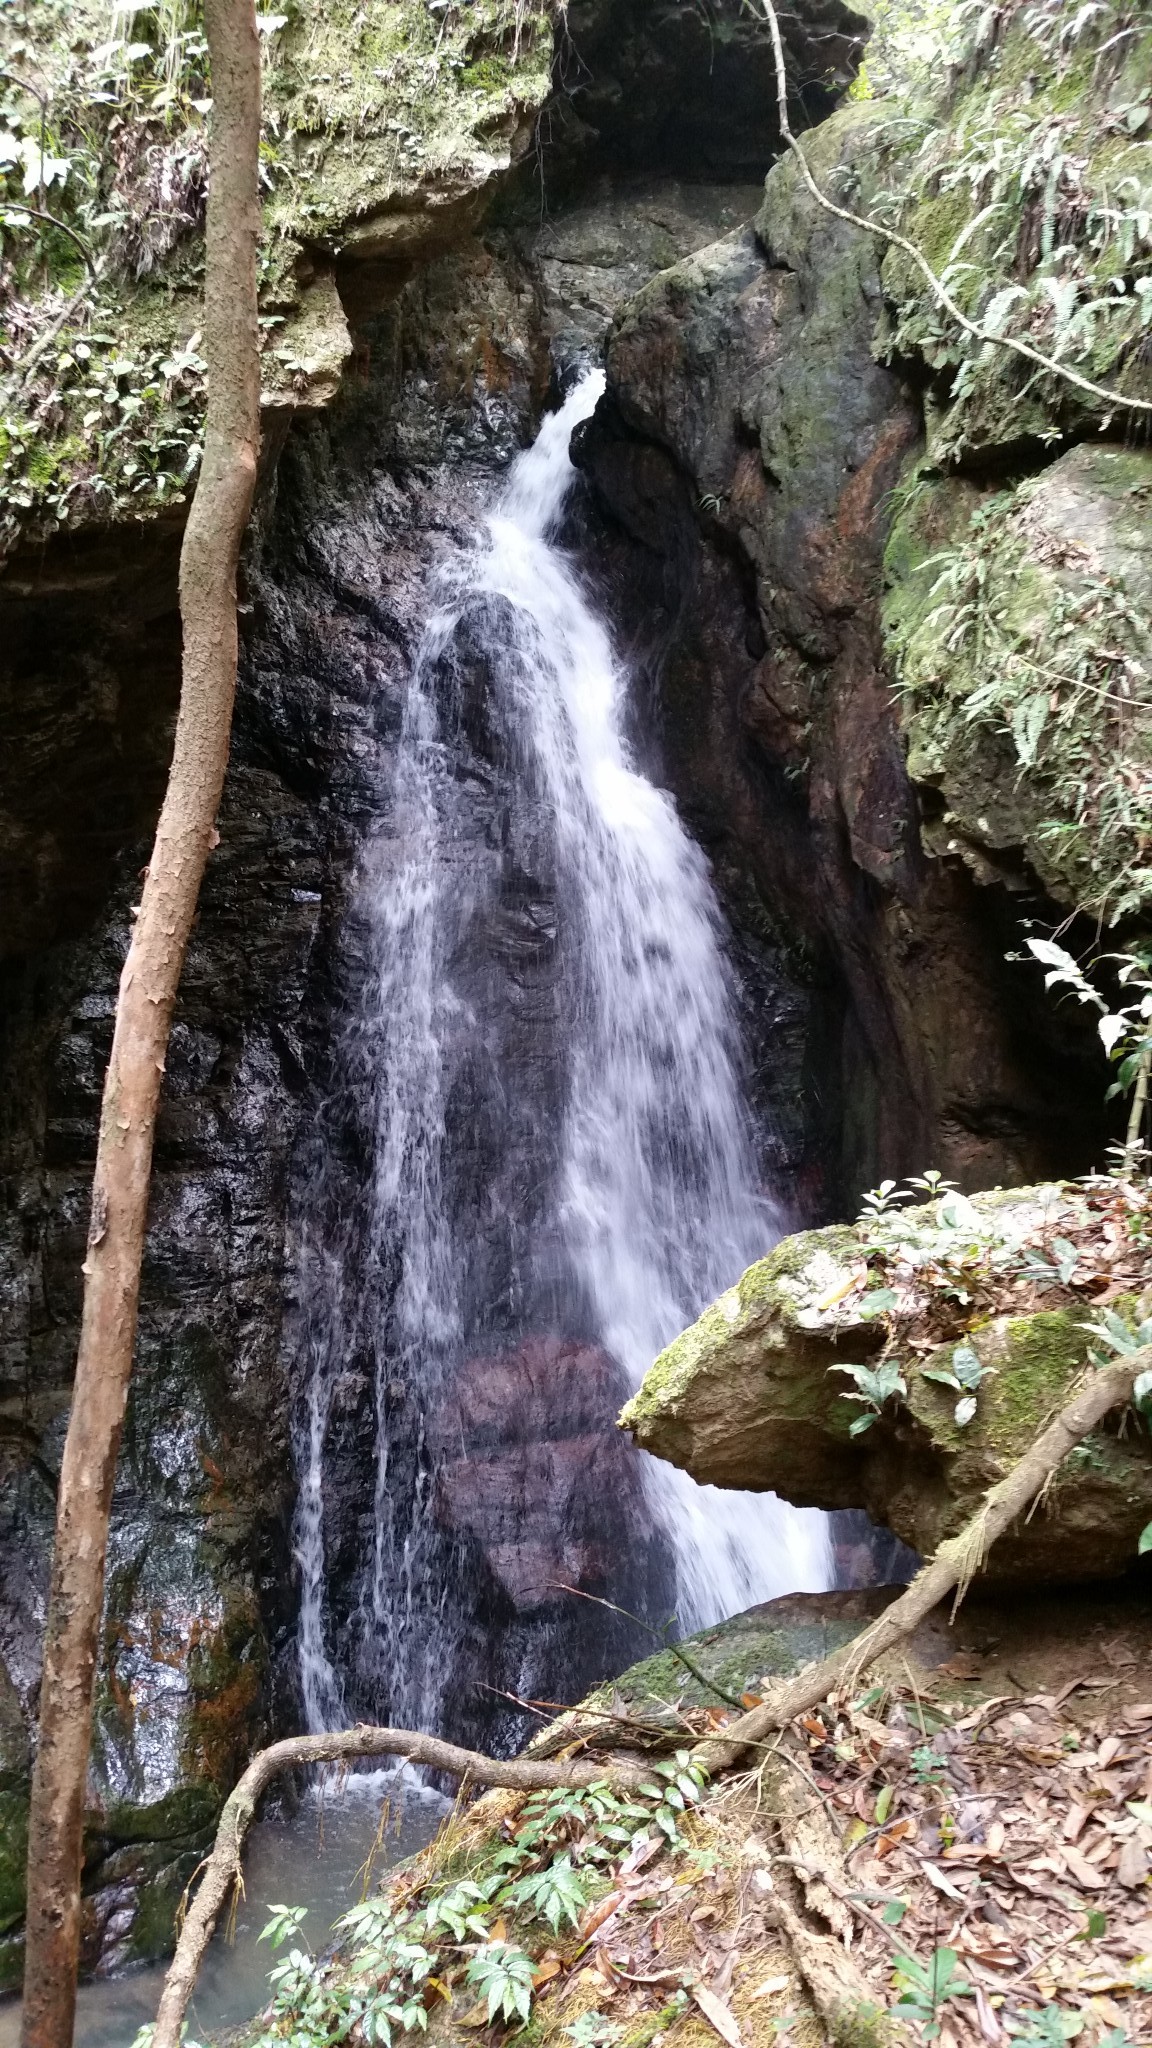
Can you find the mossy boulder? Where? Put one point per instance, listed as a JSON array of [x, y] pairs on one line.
[[751, 1396], [1020, 621]]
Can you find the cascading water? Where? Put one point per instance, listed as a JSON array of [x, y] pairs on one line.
[[632, 1197]]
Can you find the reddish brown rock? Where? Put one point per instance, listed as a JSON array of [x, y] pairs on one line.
[[532, 1469]]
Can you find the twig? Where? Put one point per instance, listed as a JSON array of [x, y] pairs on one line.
[[38, 213], [22, 370], [658, 1636], [222, 1871], [953, 1567], [939, 291]]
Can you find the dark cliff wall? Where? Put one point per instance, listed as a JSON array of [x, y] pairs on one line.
[[747, 458], [740, 476], [451, 369]]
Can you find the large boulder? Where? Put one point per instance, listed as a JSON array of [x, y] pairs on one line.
[[754, 1394]]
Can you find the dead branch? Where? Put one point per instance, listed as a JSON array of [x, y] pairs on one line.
[[939, 291], [954, 1566], [223, 1867], [841, 1994]]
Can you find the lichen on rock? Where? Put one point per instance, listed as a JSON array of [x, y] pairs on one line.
[[756, 1393]]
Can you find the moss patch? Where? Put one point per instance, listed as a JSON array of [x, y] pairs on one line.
[[1020, 622]]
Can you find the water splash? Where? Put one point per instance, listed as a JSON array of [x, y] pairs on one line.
[[653, 1202]]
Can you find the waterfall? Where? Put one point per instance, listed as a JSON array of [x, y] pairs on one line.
[[633, 1195]]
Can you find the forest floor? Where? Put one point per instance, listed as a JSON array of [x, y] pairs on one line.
[[965, 1850]]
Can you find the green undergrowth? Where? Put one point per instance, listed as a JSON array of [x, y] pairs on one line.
[[104, 120], [1019, 162], [468, 1929], [1020, 622], [1013, 148]]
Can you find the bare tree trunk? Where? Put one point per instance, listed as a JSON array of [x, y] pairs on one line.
[[147, 995]]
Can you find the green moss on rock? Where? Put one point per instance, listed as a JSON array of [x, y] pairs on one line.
[[1020, 623], [753, 1396]]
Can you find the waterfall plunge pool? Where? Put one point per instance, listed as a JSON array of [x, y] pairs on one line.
[[317, 1856]]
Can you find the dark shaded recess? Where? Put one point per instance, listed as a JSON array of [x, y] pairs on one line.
[[673, 86], [89, 679]]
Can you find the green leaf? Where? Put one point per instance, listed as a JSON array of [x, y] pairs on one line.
[[884, 1807], [877, 1302], [1145, 1543], [894, 1912]]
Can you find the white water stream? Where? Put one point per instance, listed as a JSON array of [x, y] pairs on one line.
[[659, 1205]]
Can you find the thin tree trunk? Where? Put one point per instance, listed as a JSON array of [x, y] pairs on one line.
[[147, 995]]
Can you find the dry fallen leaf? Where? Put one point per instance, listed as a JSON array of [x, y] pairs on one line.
[[769, 1986], [943, 1884], [718, 2015], [963, 1665], [596, 1915], [1132, 1868], [1081, 1871], [1074, 1821]]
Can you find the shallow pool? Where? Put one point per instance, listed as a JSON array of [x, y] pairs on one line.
[[322, 1856]]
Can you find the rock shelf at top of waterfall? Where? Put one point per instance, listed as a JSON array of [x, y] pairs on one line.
[[543, 1072]]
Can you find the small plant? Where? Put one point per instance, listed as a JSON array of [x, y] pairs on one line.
[[555, 1894], [884, 1200], [928, 1766], [1122, 1339], [502, 1974], [925, 1988], [593, 2030], [964, 1375], [874, 1387], [285, 1921], [1054, 1272], [1125, 1031], [1048, 2026]]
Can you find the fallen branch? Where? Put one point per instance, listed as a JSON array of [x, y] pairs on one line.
[[223, 1869], [953, 1567], [939, 290], [842, 1995]]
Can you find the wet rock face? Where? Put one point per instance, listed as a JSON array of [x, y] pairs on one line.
[[747, 453], [451, 370], [525, 1469]]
